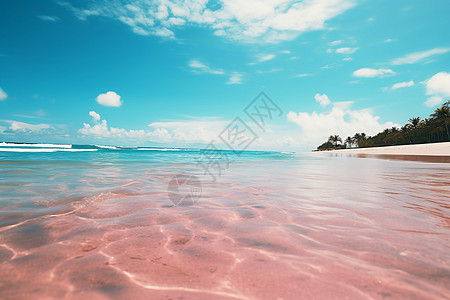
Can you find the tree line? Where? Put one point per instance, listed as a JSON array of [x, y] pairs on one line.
[[434, 129]]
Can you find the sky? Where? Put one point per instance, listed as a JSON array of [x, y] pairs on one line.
[[177, 73]]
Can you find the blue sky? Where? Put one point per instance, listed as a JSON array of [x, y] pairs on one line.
[[176, 73]]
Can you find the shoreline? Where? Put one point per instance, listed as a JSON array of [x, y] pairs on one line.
[[430, 149]]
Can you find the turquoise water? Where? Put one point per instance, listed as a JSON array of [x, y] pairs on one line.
[[90, 221]]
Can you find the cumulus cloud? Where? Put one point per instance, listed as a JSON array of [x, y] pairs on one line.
[[199, 67], [3, 95], [94, 115], [402, 85], [190, 132], [346, 50], [248, 21], [341, 119], [419, 56], [109, 99], [368, 72], [439, 84], [49, 18], [322, 99], [196, 130], [438, 87], [236, 78], [434, 101]]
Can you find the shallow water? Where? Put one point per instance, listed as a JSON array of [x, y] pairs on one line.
[[100, 225]]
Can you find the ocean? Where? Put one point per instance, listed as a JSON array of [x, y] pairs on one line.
[[103, 222]]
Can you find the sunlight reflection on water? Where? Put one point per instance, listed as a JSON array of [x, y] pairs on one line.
[[314, 226]]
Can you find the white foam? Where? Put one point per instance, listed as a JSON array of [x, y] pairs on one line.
[[157, 149], [106, 147], [44, 150], [3, 144]]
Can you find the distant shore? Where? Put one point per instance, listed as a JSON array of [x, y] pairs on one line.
[[432, 149]]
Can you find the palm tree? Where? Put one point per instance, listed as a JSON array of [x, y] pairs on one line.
[[335, 139], [427, 123], [394, 129], [359, 138], [349, 141], [443, 114], [414, 123], [405, 132]]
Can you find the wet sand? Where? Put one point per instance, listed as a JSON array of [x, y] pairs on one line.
[[431, 149]]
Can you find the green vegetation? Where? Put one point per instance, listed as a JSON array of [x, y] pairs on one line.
[[434, 129]]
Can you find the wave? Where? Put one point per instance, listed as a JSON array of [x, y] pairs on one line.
[[44, 150], [160, 149], [65, 146], [107, 147]]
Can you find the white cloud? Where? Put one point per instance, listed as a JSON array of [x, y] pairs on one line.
[[402, 85], [322, 99], [94, 115], [266, 57], [368, 72], [389, 40], [419, 56], [3, 95], [83, 13], [439, 84], [109, 99], [347, 50], [269, 71], [17, 126], [236, 78], [347, 59], [335, 43], [248, 21], [301, 75], [342, 120], [285, 52], [438, 87], [49, 18], [192, 132], [434, 101], [199, 67], [196, 130], [330, 66]]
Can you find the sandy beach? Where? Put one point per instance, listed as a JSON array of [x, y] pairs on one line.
[[432, 149]]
